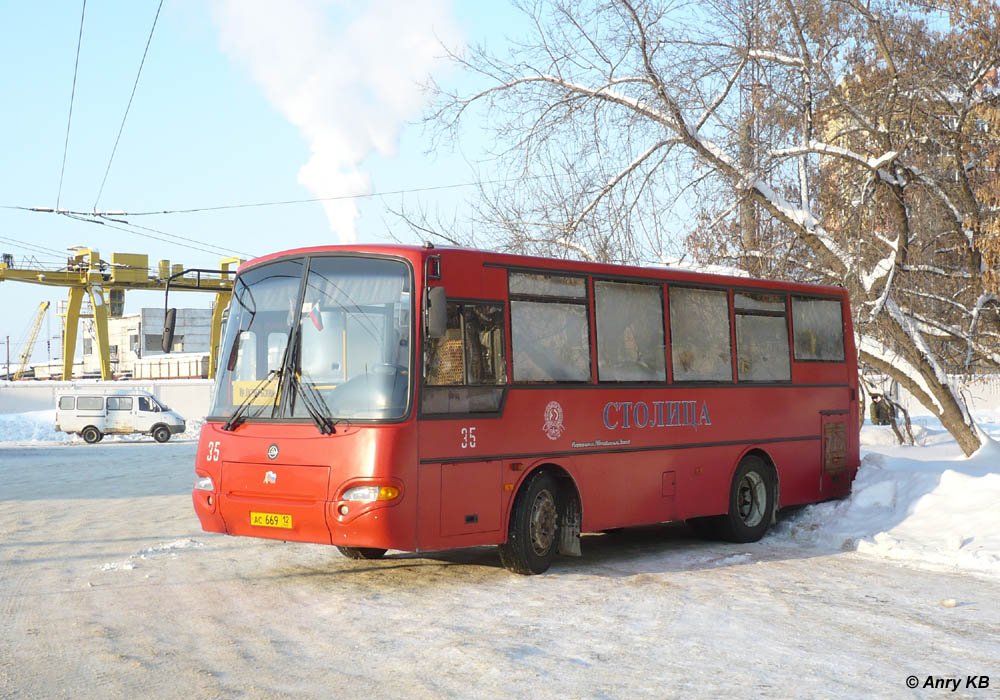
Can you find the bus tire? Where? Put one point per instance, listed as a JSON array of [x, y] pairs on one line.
[[161, 433], [90, 435], [533, 534], [362, 552], [751, 502]]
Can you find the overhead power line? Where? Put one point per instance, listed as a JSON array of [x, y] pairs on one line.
[[249, 205], [72, 96], [127, 107], [34, 247], [126, 227]]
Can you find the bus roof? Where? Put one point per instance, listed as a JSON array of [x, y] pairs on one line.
[[417, 253]]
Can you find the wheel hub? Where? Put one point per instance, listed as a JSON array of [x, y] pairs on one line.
[[542, 529], [751, 497]]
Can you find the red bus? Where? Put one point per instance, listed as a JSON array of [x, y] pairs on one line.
[[422, 398]]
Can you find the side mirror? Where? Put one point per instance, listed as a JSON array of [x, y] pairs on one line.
[[436, 314], [169, 322]]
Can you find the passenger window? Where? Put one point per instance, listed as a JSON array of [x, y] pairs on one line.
[[550, 328], [538, 284], [551, 342], [119, 403], [700, 344], [761, 338], [463, 369], [66, 403], [818, 329], [90, 403], [629, 332]]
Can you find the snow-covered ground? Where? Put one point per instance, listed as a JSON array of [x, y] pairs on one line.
[[108, 588]]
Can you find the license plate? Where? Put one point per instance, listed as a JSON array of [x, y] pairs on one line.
[[271, 520]]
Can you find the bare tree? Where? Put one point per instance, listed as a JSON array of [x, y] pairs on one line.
[[848, 142]]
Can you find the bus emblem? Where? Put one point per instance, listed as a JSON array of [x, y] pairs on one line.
[[553, 426], [272, 452], [270, 477]]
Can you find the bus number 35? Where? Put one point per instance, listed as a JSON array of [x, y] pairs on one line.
[[213, 452], [468, 438]]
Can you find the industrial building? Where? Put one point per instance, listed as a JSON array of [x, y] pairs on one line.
[[134, 347]]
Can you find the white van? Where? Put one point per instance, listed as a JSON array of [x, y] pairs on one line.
[[92, 415]]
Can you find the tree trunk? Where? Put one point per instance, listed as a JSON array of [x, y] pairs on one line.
[[942, 401]]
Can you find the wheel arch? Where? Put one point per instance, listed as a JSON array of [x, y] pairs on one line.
[[562, 476]]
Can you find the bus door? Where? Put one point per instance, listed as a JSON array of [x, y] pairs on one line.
[[833, 438]]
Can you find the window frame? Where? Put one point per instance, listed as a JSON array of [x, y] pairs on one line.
[[504, 327], [584, 301], [791, 322], [728, 291], [771, 313], [115, 401], [596, 369], [99, 399]]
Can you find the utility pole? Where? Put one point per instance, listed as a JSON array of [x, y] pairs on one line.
[[7, 376]]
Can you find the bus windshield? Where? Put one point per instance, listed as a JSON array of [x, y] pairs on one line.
[[338, 345]]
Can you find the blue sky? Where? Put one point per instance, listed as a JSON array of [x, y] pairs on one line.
[[238, 102]]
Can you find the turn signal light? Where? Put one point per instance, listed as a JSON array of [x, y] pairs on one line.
[[368, 494]]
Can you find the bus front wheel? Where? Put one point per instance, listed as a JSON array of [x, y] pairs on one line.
[[533, 536], [751, 502], [362, 552]]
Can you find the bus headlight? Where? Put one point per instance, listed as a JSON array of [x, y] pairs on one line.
[[368, 494], [204, 483]]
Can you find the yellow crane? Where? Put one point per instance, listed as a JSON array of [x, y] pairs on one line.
[[32, 336], [86, 273]]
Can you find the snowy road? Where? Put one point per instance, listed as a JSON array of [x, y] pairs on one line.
[[108, 588]]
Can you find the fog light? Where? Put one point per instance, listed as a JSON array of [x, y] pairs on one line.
[[210, 501], [343, 510]]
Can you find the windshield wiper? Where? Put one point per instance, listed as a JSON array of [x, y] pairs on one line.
[[315, 405], [238, 415]]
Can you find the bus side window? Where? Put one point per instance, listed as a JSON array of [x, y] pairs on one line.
[[629, 332], [761, 337], [465, 369], [444, 363], [818, 329], [700, 345], [144, 404]]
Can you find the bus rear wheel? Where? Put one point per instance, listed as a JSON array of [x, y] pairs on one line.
[[90, 435], [533, 535], [362, 552], [751, 502]]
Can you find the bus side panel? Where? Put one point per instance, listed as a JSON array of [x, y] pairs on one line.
[[621, 490], [462, 504], [797, 464]]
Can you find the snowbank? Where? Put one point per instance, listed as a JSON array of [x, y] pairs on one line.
[[925, 504]]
